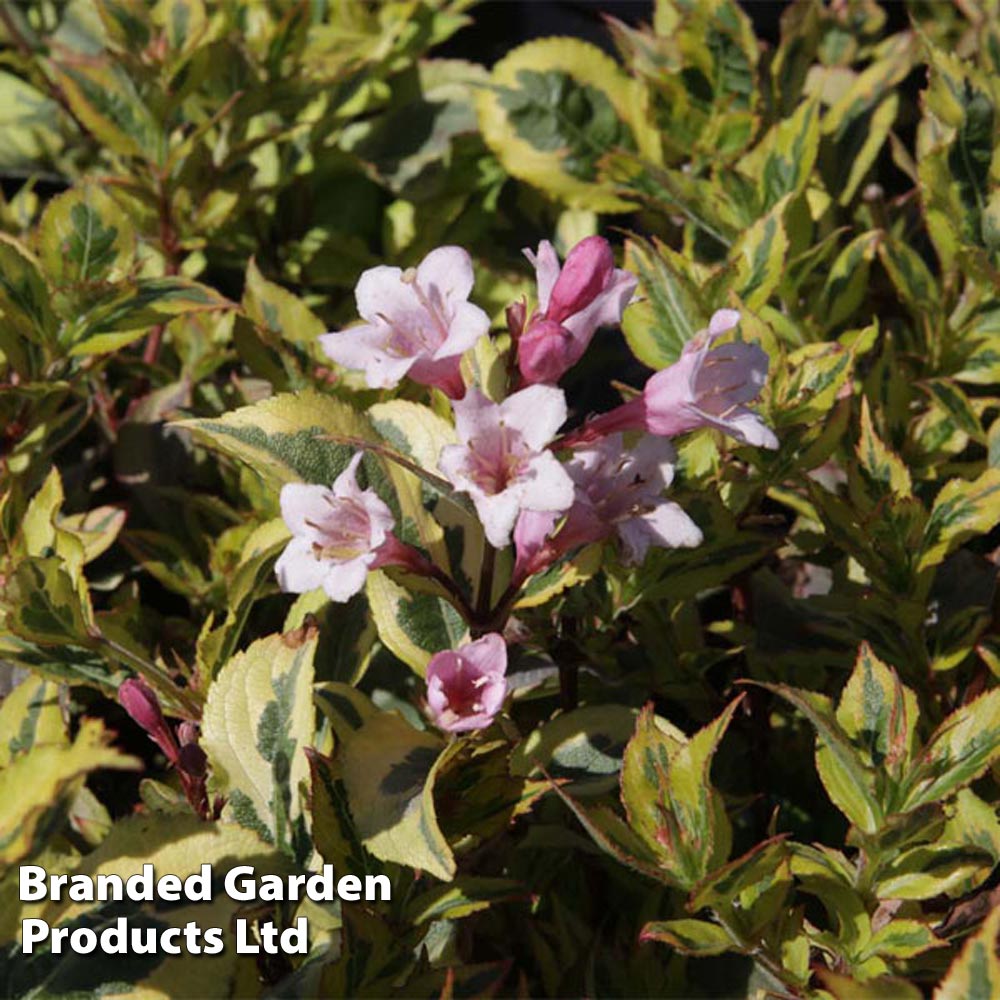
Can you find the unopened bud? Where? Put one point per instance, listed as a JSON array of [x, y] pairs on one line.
[[587, 271]]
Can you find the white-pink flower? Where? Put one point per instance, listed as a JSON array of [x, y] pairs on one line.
[[338, 535], [705, 387], [588, 292], [617, 492], [467, 686], [502, 462], [418, 323]]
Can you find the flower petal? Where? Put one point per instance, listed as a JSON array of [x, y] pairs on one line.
[[666, 525], [722, 321], [363, 348], [546, 264], [298, 570], [468, 324], [382, 293], [301, 502], [498, 514], [475, 415], [344, 580], [445, 275], [346, 484], [536, 412], [605, 310], [549, 486]]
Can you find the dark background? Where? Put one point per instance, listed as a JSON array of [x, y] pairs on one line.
[[501, 25]]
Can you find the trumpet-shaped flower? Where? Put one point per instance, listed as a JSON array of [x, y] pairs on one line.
[[502, 462], [338, 535], [617, 492], [587, 293], [418, 323], [705, 387], [467, 686]]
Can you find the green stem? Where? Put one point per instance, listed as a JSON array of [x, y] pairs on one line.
[[484, 595], [155, 674]]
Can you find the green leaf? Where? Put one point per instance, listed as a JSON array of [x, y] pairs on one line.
[[758, 257], [847, 281], [277, 310], [28, 123], [555, 107], [901, 939], [584, 747], [285, 439], [258, 719], [25, 300], [669, 799], [878, 714], [961, 510], [697, 938], [928, 871], [957, 406], [389, 769], [85, 238], [104, 98], [783, 160], [412, 624], [38, 785], [883, 472], [461, 898], [847, 779], [975, 974], [671, 311], [30, 716], [130, 309], [960, 750], [46, 606]]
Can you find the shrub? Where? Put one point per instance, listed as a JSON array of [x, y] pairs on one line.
[[337, 531]]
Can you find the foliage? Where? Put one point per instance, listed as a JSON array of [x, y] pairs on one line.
[[778, 750]]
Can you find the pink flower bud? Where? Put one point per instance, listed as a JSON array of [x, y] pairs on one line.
[[141, 703], [573, 303], [467, 686], [587, 271], [546, 351]]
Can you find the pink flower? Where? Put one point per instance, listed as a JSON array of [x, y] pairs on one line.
[[467, 686], [418, 323], [502, 462], [617, 492], [586, 294], [338, 535], [705, 387]]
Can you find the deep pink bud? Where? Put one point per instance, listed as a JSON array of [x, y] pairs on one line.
[[192, 760], [141, 703], [545, 351], [587, 271]]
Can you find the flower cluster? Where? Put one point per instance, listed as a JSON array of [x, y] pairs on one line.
[[548, 493]]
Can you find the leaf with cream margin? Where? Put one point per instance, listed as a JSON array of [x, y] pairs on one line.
[[958, 752], [38, 786], [30, 715], [976, 971], [412, 624], [177, 845], [555, 106], [258, 719], [389, 769]]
